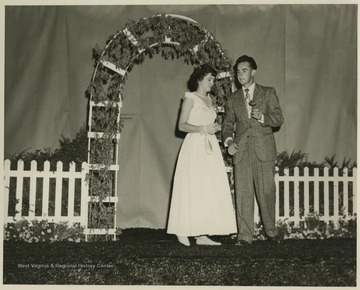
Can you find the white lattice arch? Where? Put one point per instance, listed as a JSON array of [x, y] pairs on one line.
[[106, 63]]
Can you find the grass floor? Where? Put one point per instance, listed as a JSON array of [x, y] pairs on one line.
[[151, 257]]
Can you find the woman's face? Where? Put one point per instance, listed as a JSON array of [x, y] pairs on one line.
[[206, 83]]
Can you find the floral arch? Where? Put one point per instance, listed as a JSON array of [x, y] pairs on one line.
[[171, 36]]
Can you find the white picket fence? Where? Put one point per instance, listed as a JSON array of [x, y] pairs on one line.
[[337, 190], [40, 180], [301, 194]]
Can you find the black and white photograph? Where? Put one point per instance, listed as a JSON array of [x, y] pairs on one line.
[[179, 144]]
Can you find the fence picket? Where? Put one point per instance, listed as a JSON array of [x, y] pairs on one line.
[[32, 193], [345, 200], [296, 195], [58, 190], [306, 193], [316, 191], [71, 196], [7, 165], [46, 189], [286, 195], [277, 184], [336, 193], [19, 189], [354, 193], [326, 196], [84, 195]]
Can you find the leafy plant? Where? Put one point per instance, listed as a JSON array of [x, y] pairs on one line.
[[311, 228], [295, 159], [43, 231], [69, 150]]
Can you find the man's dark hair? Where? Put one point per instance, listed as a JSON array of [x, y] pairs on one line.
[[246, 58], [198, 74]]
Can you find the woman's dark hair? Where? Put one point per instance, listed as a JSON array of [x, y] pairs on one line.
[[198, 74], [243, 58]]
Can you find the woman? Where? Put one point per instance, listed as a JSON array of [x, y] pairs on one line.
[[201, 203]]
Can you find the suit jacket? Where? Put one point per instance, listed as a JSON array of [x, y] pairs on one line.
[[250, 131]]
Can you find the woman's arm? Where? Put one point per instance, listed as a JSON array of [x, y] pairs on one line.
[[184, 126]]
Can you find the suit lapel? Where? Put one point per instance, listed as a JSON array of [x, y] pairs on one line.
[[257, 93]]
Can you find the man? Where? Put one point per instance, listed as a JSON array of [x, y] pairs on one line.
[[254, 110]]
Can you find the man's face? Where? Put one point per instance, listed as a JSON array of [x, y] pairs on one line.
[[245, 74]]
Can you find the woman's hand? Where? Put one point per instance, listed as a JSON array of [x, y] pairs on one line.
[[210, 129], [213, 128]]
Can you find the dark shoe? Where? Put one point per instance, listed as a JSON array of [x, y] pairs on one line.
[[242, 243], [274, 240]]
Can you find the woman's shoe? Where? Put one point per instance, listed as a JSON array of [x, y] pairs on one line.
[[205, 241], [184, 240]]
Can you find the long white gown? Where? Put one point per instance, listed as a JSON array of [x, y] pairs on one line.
[[201, 202]]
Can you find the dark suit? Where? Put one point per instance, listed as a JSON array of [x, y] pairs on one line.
[[254, 163]]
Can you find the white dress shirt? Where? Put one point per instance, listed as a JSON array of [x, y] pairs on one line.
[[251, 94]]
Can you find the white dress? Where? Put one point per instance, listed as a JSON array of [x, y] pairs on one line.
[[201, 202]]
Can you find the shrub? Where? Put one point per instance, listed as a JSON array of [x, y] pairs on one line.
[[311, 228], [43, 231], [69, 151]]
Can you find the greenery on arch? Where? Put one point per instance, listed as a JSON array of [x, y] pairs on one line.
[[169, 36]]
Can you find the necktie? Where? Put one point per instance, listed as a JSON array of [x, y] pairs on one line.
[[247, 95], [247, 99]]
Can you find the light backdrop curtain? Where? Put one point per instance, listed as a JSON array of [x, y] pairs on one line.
[[307, 52]]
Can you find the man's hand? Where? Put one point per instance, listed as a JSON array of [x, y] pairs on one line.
[[256, 114], [232, 147]]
